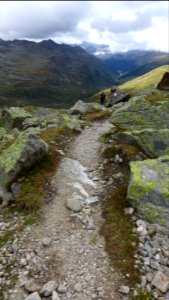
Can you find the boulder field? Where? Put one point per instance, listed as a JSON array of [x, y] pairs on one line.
[[146, 126]]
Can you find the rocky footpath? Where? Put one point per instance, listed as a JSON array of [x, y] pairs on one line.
[[63, 257]]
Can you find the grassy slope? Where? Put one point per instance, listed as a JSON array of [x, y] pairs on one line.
[[148, 80], [145, 81]]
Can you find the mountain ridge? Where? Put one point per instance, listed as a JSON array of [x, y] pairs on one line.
[[49, 74]]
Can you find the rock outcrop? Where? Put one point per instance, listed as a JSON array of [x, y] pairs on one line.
[[117, 96], [163, 85], [152, 142], [138, 113], [146, 126], [19, 157], [148, 189], [13, 117], [82, 108]]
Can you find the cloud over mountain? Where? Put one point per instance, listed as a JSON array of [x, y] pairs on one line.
[[120, 24]]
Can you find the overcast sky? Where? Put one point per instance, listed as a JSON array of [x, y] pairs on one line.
[[123, 25]]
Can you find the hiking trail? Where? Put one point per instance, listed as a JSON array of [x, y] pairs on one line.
[[64, 245]]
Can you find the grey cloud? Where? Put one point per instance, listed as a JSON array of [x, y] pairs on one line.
[[39, 20], [142, 21]]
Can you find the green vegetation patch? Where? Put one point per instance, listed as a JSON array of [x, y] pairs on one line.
[[147, 80], [117, 230], [117, 227], [94, 116]]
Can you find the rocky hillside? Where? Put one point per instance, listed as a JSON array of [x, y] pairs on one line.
[[48, 74]]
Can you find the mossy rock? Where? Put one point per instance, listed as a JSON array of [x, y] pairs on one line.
[[26, 150], [149, 188], [30, 122], [138, 114], [13, 117], [83, 108], [152, 142], [69, 121], [2, 133]]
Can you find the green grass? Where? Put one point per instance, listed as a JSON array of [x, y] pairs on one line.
[[142, 295], [117, 227], [95, 116], [117, 230]]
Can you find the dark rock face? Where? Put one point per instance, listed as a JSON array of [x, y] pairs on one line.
[[164, 82], [117, 96]]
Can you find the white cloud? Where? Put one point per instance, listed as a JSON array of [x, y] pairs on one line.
[[123, 25]]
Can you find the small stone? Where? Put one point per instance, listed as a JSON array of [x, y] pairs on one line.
[[128, 210], [55, 296], [34, 296], [46, 242], [48, 288], [78, 287], [161, 282], [62, 288], [149, 277], [124, 289], [74, 204], [23, 262], [32, 286]]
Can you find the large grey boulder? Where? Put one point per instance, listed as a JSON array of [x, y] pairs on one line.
[[82, 108], [13, 117], [27, 150], [138, 114], [148, 189], [117, 96], [152, 142]]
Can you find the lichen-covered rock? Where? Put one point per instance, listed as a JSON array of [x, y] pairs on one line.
[[30, 122], [2, 133], [152, 142], [69, 122], [82, 108], [21, 155], [148, 189], [13, 117], [138, 113]]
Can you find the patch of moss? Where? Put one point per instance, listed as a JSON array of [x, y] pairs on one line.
[[142, 295], [94, 116], [117, 230], [5, 237]]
